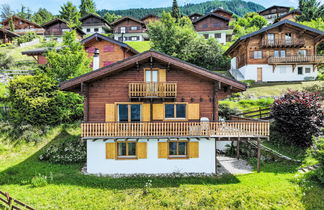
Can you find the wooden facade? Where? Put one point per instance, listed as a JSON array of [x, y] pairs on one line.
[[130, 24], [211, 22], [150, 18], [7, 36], [22, 26], [224, 13], [57, 28]]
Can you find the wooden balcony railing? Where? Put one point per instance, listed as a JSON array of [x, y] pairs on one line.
[[176, 129], [282, 43], [314, 59], [152, 89]]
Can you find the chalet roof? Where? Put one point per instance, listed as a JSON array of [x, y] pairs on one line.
[[95, 16], [295, 11], [40, 51], [75, 83], [128, 17], [223, 10], [195, 14], [100, 36], [148, 16], [283, 22], [273, 7], [211, 15], [22, 19], [5, 31], [56, 20]]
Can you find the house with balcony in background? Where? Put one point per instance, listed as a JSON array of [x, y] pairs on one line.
[[155, 114], [274, 12], [284, 51], [92, 23], [215, 25], [7, 36], [150, 18], [129, 29], [54, 30], [22, 26]]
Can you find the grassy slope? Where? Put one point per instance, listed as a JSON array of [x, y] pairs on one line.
[[16, 52], [140, 46], [273, 188]]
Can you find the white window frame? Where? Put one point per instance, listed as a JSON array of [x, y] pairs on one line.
[[257, 54]]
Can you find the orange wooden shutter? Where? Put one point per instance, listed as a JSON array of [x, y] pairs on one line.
[[193, 149], [110, 112], [158, 111], [163, 149], [141, 150], [111, 150], [162, 75], [193, 112], [146, 112]]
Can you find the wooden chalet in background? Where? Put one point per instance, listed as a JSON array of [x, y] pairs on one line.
[[129, 29], [22, 26], [7, 36], [92, 23], [274, 12], [194, 16], [150, 18], [284, 51], [292, 15], [153, 113]]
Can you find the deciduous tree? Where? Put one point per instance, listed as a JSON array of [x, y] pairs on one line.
[[311, 10], [42, 16], [87, 7], [70, 13]]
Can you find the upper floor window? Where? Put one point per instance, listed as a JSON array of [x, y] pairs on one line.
[[217, 25], [129, 112], [302, 52], [205, 26], [175, 111], [279, 53], [133, 28], [257, 54], [271, 37], [288, 38], [151, 75], [122, 29]]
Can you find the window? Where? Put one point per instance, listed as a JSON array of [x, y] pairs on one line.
[[133, 28], [218, 36], [175, 111], [217, 25], [257, 54], [122, 30], [88, 30], [205, 26], [279, 53], [307, 70], [288, 36], [126, 149], [206, 36], [134, 38], [151, 76], [129, 112], [96, 29], [228, 37], [178, 148], [271, 38], [302, 53], [300, 70]]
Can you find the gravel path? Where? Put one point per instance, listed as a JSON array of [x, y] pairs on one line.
[[228, 165]]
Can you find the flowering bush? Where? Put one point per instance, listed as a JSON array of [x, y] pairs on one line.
[[297, 117]]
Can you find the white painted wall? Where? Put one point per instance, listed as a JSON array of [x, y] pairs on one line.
[[141, 35], [281, 72], [211, 34], [92, 29], [97, 162]]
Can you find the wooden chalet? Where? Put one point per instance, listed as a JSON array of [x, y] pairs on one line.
[[194, 16], [22, 26], [223, 12], [273, 12], [7, 36], [129, 29], [152, 113], [292, 15], [284, 51], [92, 23], [150, 18]]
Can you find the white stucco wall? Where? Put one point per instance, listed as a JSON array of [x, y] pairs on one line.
[[211, 34], [141, 35], [92, 29], [97, 162]]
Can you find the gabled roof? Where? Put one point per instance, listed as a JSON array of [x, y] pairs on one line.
[[148, 16], [75, 83], [22, 19], [56, 20], [295, 11], [95, 16], [211, 15], [272, 7], [5, 31], [195, 14], [128, 17], [100, 36], [283, 22], [223, 10]]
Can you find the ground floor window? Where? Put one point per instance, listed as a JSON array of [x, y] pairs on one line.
[[178, 148], [300, 70], [308, 70], [126, 149]]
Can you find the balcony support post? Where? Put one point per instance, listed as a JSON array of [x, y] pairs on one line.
[[217, 86], [84, 93], [258, 155]]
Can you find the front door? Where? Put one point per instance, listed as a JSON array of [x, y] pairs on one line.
[[259, 74]]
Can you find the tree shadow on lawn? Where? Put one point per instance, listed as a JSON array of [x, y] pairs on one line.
[[70, 174]]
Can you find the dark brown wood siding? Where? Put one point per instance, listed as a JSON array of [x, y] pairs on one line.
[[211, 24], [128, 24]]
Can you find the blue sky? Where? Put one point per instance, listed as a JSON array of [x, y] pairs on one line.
[[54, 5]]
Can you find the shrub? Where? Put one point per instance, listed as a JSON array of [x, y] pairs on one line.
[[249, 82], [225, 111], [5, 61], [318, 154], [40, 180], [298, 117], [70, 151], [315, 88], [27, 37]]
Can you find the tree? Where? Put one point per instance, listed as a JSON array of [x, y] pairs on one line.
[[175, 10], [11, 24], [111, 17], [179, 39], [70, 13], [69, 62], [42, 16], [6, 11], [87, 7], [297, 117], [6, 61], [311, 10], [25, 13], [317, 24]]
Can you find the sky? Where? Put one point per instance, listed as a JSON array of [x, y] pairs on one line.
[[54, 5]]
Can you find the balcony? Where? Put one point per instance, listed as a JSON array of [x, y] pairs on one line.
[[314, 59], [175, 129], [277, 43], [152, 90]]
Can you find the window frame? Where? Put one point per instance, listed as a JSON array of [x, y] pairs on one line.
[[177, 156], [218, 35], [302, 54], [129, 111], [302, 70], [256, 57], [175, 112], [308, 68], [127, 156]]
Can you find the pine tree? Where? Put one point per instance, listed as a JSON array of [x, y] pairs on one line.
[[70, 13], [42, 16], [311, 10], [87, 7], [175, 10], [6, 11]]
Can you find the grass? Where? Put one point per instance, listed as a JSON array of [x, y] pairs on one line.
[[140, 46], [274, 188]]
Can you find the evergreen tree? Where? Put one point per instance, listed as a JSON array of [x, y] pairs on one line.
[[42, 16], [6, 11], [87, 7], [175, 10], [25, 13], [111, 17], [311, 10], [11, 24], [70, 13]]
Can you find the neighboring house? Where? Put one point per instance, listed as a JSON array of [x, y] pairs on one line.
[[150, 18], [129, 29], [292, 15], [22, 26], [7, 36], [214, 26], [39, 54], [274, 12], [55, 30], [194, 16], [152, 113], [224, 13], [284, 51], [92, 23]]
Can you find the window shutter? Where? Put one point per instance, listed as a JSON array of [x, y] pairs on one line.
[[141, 150], [110, 112], [158, 111], [193, 112], [146, 112], [163, 149], [111, 150], [162, 75], [194, 149]]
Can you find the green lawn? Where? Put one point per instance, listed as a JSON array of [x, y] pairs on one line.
[[274, 188], [140, 46]]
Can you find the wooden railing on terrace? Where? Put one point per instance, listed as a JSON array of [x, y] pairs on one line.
[[152, 89], [176, 129], [282, 43], [314, 59]]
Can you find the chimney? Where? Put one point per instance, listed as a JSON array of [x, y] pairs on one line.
[[96, 59]]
